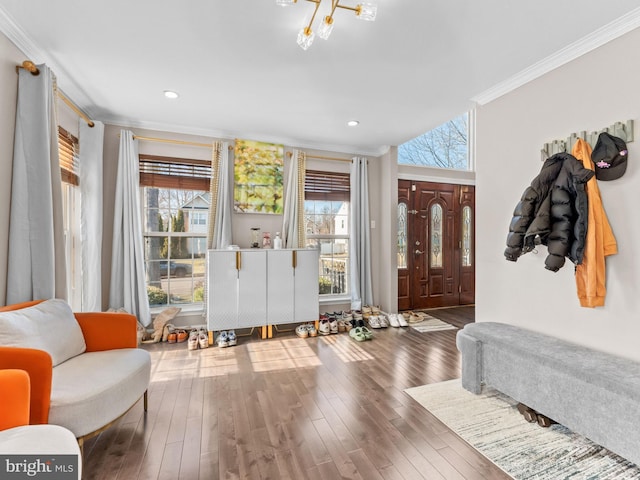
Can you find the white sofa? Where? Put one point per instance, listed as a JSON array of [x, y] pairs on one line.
[[85, 368]]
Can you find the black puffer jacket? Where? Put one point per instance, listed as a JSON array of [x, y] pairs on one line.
[[553, 211]]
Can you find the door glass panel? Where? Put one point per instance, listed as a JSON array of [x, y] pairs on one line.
[[402, 235], [436, 236], [467, 226]]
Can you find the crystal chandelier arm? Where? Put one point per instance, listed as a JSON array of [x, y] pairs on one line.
[[317, 2]]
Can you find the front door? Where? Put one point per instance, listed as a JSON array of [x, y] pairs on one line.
[[435, 245]]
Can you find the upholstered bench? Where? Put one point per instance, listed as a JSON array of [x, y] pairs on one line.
[[593, 393], [85, 368]]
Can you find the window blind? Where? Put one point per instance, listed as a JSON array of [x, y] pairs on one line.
[[172, 172], [68, 151], [326, 186]]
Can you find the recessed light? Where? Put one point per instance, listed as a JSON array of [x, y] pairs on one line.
[[171, 94], [353, 123]]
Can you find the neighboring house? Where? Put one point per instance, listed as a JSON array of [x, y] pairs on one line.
[[196, 215]]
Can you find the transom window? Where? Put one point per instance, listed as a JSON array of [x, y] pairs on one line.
[[445, 146]]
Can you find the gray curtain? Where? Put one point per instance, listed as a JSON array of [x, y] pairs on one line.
[[219, 234], [37, 263], [128, 287], [90, 177], [360, 243], [293, 234]]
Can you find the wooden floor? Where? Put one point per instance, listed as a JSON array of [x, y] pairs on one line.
[[291, 408]]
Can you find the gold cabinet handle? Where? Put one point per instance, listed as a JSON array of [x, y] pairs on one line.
[[294, 258], [238, 260]]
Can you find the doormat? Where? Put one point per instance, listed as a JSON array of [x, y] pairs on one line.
[[431, 324], [490, 423]]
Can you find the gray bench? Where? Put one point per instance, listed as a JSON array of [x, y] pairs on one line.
[[593, 393]]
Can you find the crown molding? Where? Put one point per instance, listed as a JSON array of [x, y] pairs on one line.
[[597, 38]]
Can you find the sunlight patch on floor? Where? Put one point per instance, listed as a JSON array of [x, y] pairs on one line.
[[346, 351], [281, 355]]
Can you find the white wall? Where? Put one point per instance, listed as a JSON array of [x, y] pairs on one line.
[[589, 93]]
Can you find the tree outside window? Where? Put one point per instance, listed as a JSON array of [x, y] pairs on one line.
[[445, 146]]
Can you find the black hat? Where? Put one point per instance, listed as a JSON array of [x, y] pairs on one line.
[[610, 157]]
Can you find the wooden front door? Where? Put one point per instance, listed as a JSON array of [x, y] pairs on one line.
[[435, 245]]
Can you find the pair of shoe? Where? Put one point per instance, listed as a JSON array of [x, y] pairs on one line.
[[177, 336], [306, 330], [198, 338], [328, 324], [226, 339], [378, 321], [397, 320], [344, 325], [414, 317], [360, 334]]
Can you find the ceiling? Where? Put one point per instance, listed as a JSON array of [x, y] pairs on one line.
[[239, 71]]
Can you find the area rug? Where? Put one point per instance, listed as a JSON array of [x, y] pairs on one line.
[[492, 425], [431, 324]]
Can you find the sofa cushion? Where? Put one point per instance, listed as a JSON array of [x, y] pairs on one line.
[[49, 326], [95, 388]]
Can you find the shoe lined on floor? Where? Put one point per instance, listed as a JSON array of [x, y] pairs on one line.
[[357, 334], [301, 331], [168, 328], [324, 328], [384, 323], [333, 323], [222, 340], [203, 339], [374, 321], [401, 320], [368, 334], [182, 335], [393, 320], [231, 338], [311, 328], [192, 343]]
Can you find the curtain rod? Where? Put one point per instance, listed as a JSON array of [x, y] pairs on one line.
[[29, 66], [319, 157], [176, 142]]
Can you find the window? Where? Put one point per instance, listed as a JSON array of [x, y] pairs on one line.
[[445, 146], [402, 235], [69, 151], [326, 209], [175, 203]]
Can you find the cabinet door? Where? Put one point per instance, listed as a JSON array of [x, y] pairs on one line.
[[306, 303], [222, 290], [280, 288], [252, 289]]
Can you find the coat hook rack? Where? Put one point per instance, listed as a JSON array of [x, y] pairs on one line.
[[623, 130]]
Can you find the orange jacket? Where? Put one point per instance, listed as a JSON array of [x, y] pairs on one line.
[[600, 242]]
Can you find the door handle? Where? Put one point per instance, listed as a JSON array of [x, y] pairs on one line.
[[418, 252]]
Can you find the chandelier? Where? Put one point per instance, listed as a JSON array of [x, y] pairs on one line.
[[363, 11]]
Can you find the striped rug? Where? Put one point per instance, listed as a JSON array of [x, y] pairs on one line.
[[431, 324], [491, 424]]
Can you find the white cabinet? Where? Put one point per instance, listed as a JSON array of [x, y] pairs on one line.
[[237, 291], [252, 288], [292, 291]]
